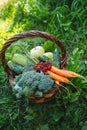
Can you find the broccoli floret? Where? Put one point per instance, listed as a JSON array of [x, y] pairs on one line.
[[29, 79], [46, 83], [28, 91], [18, 90], [39, 93], [17, 78]]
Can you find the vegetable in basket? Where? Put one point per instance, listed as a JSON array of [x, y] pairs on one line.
[[37, 51], [49, 55], [32, 82], [59, 75], [53, 58], [20, 59], [15, 67], [41, 78]]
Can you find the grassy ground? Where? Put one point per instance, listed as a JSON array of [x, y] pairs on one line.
[[67, 21]]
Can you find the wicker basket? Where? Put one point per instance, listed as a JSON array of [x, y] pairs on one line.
[[10, 73]]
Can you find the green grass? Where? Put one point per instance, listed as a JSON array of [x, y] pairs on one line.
[[67, 21]]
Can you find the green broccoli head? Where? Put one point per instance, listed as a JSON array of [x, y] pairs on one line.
[[29, 79], [27, 83], [31, 82], [45, 83]]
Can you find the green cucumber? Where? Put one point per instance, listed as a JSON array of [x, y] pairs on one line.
[[18, 69]]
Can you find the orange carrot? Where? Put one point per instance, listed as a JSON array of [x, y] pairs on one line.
[[64, 73], [57, 77], [59, 85], [73, 74], [57, 82]]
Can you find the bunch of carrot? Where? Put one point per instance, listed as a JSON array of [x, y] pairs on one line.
[[60, 75]]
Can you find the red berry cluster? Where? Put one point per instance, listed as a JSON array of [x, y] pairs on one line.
[[43, 66]]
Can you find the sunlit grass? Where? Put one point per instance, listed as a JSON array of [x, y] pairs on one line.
[[4, 30]]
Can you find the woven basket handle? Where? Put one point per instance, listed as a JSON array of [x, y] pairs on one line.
[[31, 34]]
